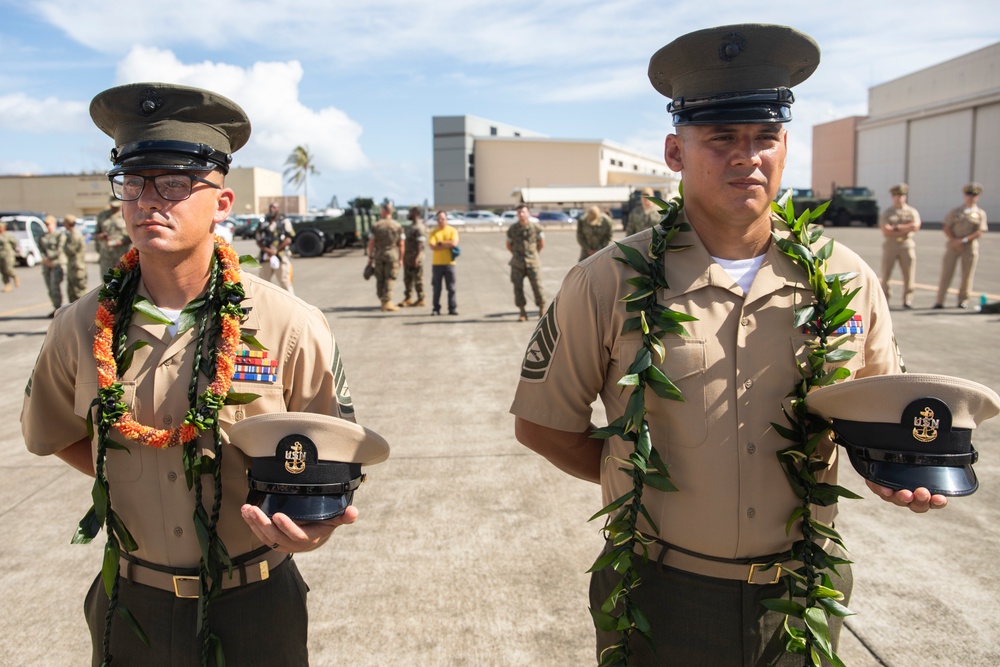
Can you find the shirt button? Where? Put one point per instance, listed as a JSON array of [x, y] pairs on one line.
[[745, 321], [751, 448], [178, 531], [748, 384], [168, 420], [172, 476], [239, 415], [751, 513]]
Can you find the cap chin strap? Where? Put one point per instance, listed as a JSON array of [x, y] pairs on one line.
[[764, 105], [911, 458], [306, 489], [184, 149]]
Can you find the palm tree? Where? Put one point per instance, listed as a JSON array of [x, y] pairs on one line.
[[300, 164]]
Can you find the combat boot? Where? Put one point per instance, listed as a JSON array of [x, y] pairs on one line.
[[7, 287], [17, 281], [420, 303], [389, 306], [541, 311], [406, 302], [524, 316]]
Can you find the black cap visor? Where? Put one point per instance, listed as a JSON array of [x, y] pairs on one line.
[[300, 507], [174, 155], [943, 480]]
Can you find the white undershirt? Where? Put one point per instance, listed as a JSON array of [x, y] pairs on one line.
[[173, 316], [743, 271]]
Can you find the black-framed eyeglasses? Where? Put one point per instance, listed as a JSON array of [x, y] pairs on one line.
[[171, 187]]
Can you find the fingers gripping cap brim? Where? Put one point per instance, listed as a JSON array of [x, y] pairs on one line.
[[942, 480]]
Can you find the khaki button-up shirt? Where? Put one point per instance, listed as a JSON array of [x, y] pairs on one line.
[[735, 370], [148, 487]]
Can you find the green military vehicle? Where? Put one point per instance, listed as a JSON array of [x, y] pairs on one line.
[[847, 204], [318, 235]]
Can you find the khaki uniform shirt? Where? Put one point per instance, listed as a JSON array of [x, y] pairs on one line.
[[415, 238], [387, 233], [147, 485], [962, 221], [734, 370], [523, 241], [900, 216]]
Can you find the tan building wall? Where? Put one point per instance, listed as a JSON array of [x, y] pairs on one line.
[[87, 194], [503, 165], [833, 155]]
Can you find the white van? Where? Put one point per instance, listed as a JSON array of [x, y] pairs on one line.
[[27, 228]]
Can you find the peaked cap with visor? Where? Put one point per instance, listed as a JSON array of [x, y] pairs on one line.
[[166, 126], [733, 73]]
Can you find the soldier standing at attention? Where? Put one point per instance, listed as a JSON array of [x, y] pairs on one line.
[[899, 223], [593, 232], [734, 362], [76, 263], [111, 237], [525, 239], [171, 487], [8, 258], [643, 216], [385, 253], [52, 245], [963, 226], [415, 236], [274, 237]]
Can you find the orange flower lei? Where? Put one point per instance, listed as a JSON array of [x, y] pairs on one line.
[[212, 398]]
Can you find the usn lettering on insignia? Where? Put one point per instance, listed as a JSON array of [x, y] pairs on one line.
[[925, 427], [295, 459]]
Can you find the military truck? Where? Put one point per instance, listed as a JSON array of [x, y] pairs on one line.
[[853, 203], [847, 204], [321, 234]]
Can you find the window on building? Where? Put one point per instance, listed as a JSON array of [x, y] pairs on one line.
[[517, 134], [493, 131], [472, 158], [472, 172], [472, 198]]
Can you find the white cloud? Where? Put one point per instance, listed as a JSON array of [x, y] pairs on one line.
[[21, 113], [269, 93]]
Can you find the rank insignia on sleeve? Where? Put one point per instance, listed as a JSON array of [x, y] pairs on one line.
[[254, 366], [541, 347]]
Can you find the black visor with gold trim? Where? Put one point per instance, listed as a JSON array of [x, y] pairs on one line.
[[909, 431]]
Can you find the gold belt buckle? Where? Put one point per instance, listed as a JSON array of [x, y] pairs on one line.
[[177, 591], [764, 566]]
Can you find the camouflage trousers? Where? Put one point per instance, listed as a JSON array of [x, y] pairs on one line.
[[7, 269], [517, 276], [386, 272], [413, 278], [76, 282], [53, 277]]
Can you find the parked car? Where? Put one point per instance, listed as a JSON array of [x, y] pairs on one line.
[[247, 226], [226, 229], [27, 228], [508, 217], [554, 216], [87, 225], [488, 217]]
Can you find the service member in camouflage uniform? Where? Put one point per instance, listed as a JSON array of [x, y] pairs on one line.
[[525, 239], [8, 258], [274, 237], [642, 217], [52, 245], [593, 232], [76, 264], [963, 226], [415, 236], [385, 252], [110, 236]]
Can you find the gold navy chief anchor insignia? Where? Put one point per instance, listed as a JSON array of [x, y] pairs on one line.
[[925, 426], [295, 459]]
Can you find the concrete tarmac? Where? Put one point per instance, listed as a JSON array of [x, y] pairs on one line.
[[471, 550]]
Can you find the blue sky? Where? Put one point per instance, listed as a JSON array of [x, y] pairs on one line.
[[358, 82]]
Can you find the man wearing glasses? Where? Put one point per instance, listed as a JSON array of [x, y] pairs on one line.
[[158, 338]]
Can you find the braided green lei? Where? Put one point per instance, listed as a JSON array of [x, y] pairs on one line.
[[222, 297], [811, 596]]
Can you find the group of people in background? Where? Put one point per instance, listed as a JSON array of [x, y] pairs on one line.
[[962, 226]]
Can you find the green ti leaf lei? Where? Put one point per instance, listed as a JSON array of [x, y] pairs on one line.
[[801, 461], [204, 312]]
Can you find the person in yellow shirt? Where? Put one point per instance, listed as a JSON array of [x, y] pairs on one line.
[[444, 242]]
